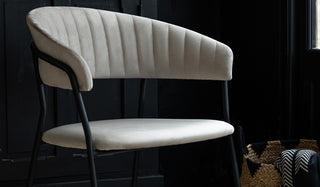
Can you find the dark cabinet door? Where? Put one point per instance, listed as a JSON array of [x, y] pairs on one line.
[[305, 58], [19, 107]]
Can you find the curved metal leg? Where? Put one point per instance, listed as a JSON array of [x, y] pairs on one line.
[[236, 176], [85, 124], [37, 141], [80, 106], [226, 114], [42, 119], [93, 175], [136, 159], [34, 158], [135, 169]]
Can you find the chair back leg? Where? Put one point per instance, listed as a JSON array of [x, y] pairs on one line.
[[135, 169], [42, 119], [226, 114], [80, 106], [236, 176], [136, 159], [93, 175], [37, 140]]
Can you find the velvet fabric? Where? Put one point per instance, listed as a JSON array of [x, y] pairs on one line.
[[103, 44], [121, 134]]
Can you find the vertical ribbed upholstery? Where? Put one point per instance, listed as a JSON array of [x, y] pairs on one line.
[[103, 44]]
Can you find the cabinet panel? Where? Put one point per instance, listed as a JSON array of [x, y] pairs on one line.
[[308, 110], [22, 99], [3, 129], [149, 8], [19, 107], [100, 4]]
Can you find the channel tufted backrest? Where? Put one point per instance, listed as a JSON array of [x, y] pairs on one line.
[[103, 44]]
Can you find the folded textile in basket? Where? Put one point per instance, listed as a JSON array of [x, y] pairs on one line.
[[299, 168]]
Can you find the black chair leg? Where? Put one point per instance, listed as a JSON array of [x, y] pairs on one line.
[[135, 169], [37, 140], [236, 176], [92, 168], [87, 132], [34, 159]]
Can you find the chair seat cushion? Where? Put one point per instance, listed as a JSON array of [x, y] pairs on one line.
[[122, 134]]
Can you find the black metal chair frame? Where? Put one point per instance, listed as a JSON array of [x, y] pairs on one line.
[[85, 123]]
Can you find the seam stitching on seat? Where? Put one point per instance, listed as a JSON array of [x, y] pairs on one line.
[[107, 40], [48, 24], [153, 49], [65, 28], [199, 57], [93, 44], [56, 29], [75, 22], [137, 45], [169, 49], [123, 52], [215, 54], [53, 28], [184, 51]]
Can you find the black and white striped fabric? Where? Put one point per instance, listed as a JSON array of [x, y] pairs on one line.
[[294, 166]]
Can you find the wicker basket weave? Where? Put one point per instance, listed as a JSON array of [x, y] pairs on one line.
[[257, 167]]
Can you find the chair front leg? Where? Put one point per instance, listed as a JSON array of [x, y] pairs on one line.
[[135, 169], [88, 136], [92, 168], [34, 158]]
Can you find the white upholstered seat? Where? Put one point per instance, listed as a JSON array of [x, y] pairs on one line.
[[73, 46], [138, 133], [103, 44]]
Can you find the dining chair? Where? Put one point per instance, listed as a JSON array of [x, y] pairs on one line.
[[72, 46]]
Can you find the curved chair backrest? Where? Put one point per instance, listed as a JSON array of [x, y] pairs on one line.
[[103, 44]]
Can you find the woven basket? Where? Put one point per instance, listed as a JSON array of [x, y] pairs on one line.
[[258, 158]]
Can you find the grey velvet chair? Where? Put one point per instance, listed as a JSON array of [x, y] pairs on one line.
[[72, 46]]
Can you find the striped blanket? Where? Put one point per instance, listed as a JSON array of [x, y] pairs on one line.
[[299, 168]]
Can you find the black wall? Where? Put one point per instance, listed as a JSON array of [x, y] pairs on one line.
[[275, 87], [195, 164], [257, 34], [256, 31], [305, 75]]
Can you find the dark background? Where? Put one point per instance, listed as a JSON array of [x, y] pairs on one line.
[[273, 94]]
